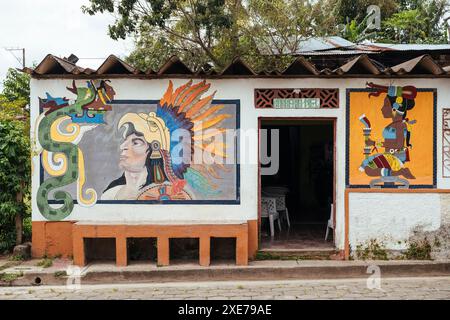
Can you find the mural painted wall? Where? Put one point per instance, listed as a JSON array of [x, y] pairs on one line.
[[391, 136], [95, 149]]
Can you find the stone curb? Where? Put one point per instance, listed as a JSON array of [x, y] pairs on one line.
[[266, 272]]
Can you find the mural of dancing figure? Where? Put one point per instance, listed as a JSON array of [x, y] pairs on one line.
[[396, 135]]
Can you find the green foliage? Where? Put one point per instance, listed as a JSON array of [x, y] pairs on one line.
[[403, 21], [188, 25], [17, 257], [419, 22], [27, 222], [14, 174], [151, 52], [406, 25], [16, 86], [352, 31], [14, 162], [45, 263], [267, 256], [373, 250], [14, 99], [345, 11], [8, 277], [437, 243], [14, 178], [7, 234], [60, 274], [212, 31], [273, 30], [15, 167], [419, 250], [261, 256], [12, 110]]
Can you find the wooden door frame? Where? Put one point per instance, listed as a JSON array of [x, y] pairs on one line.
[[325, 119]]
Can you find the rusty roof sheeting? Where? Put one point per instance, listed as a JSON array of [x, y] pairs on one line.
[[55, 65], [238, 67], [174, 66], [405, 47], [113, 64], [425, 63], [359, 65], [301, 66]]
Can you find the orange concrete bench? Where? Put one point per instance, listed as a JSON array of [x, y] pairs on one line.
[[162, 231]]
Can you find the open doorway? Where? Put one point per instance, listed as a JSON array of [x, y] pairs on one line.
[[306, 178]]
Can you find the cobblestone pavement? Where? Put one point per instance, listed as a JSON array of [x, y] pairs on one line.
[[392, 288]]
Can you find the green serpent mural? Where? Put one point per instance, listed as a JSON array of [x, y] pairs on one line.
[[59, 130]]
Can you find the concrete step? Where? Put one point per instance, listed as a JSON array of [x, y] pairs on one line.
[[296, 254], [257, 270]]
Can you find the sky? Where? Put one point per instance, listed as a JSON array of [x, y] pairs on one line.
[[58, 27]]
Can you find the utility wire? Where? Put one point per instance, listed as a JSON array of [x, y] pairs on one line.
[[12, 49]]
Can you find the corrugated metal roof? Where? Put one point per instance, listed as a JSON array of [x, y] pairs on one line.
[[335, 52], [338, 45], [314, 44], [324, 44], [406, 47], [339, 42]]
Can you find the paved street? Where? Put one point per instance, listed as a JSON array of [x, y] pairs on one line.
[[393, 288]]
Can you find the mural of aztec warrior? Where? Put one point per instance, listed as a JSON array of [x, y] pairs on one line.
[[59, 130], [396, 135], [149, 171]]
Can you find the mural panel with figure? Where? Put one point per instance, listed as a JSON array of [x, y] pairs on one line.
[[97, 150], [391, 136]]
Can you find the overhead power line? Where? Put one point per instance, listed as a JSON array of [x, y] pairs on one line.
[[12, 50]]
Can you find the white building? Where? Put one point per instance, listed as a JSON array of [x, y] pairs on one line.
[[90, 141]]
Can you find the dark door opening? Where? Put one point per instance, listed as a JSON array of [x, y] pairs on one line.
[[306, 173]]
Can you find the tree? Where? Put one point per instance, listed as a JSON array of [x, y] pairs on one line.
[[14, 158], [275, 30], [264, 33], [15, 98], [152, 52], [187, 25], [14, 180], [403, 21], [406, 26], [16, 86], [211, 31], [418, 22], [345, 11]]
